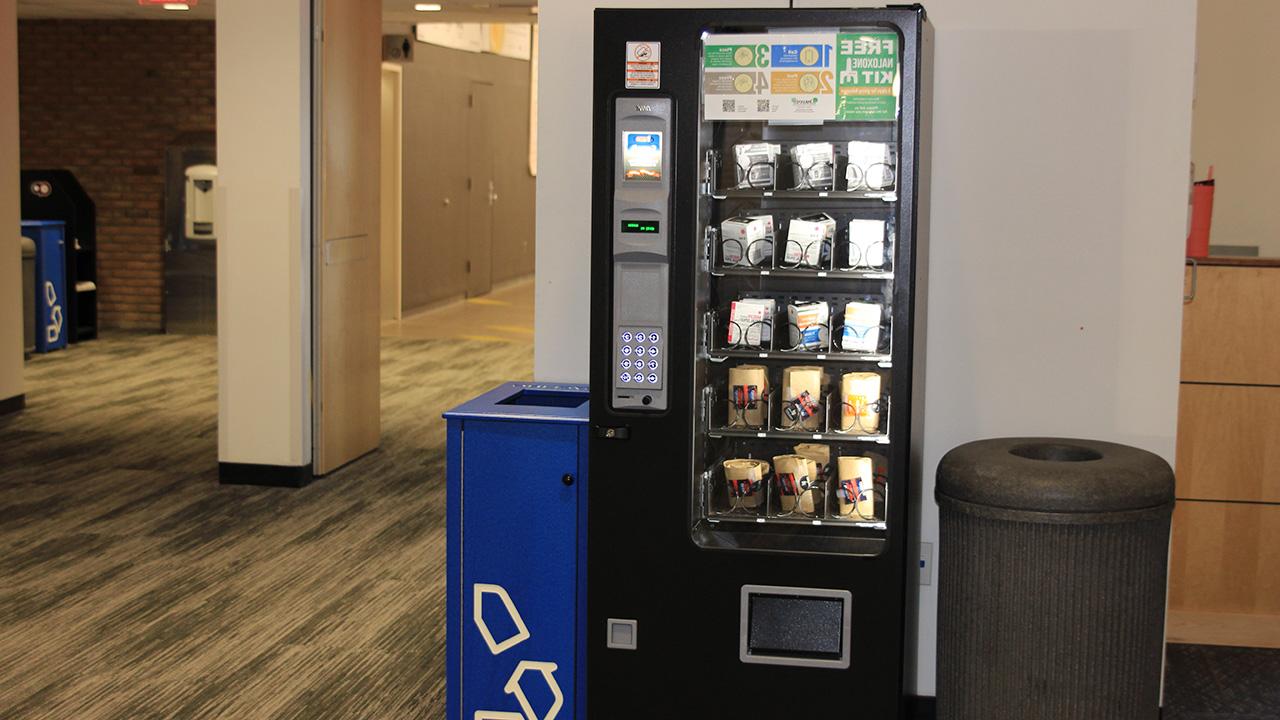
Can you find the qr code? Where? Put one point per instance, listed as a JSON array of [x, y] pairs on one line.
[[762, 106], [728, 106]]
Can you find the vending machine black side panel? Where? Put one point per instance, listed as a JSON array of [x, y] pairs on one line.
[[680, 631]]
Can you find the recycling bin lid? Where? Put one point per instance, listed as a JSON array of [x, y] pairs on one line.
[[1055, 475], [541, 402]]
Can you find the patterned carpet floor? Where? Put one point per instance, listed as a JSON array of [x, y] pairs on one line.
[[1206, 682], [134, 586]]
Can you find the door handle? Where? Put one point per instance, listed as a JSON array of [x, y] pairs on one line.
[[1191, 296], [493, 196]]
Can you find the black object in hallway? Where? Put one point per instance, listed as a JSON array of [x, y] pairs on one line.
[[1208, 682]]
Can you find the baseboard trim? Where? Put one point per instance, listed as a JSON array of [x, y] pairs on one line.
[[13, 404], [922, 707], [264, 475]]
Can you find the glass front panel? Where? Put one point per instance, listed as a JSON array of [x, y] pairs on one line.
[[798, 215]]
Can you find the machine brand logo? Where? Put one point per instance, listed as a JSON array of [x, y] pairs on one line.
[[644, 108]]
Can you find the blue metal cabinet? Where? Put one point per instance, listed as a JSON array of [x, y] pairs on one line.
[[517, 484], [51, 282]]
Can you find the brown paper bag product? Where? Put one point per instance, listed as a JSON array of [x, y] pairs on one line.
[[860, 403], [802, 399], [748, 396], [799, 483], [745, 481], [855, 478], [821, 457]]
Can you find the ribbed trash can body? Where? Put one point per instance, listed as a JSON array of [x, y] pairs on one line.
[[1052, 580]]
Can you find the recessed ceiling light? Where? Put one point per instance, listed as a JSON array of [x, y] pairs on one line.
[[176, 6], [428, 7]]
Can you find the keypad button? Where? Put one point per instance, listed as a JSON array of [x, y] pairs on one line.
[[653, 364], [626, 350], [626, 337], [653, 337], [625, 377], [626, 364], [653, 350], [653, 379]]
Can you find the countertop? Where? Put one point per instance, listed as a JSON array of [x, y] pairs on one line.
[[1257, 262]]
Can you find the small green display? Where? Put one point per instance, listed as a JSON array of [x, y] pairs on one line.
[[637, 226]]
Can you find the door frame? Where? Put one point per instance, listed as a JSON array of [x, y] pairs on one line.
[[393, 234], [480, 187]]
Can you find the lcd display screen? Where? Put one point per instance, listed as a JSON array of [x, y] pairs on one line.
[[646, 227], [642, 155]]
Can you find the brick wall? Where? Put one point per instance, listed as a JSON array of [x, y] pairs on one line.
[[104, 99]]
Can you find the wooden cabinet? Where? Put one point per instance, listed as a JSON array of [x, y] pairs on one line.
[[1229, 442], [1224, 573], [1231, 330], [1226, 558]]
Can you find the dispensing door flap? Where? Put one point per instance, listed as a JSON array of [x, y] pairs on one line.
[[804, 627]]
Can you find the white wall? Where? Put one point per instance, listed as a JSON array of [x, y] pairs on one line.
[[1060, 156], [11, 341], [1234, 124], [264, 338]]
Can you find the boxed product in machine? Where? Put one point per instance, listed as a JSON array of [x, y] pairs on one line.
[[866, 243], [807, 239], [808, 325], [746, 237], [751, 322]]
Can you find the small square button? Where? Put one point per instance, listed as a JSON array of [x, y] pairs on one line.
[[622, 634]]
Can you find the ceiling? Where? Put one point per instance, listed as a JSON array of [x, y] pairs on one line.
[[393, 11]]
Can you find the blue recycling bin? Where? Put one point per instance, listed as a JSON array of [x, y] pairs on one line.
[[517, 509], [51, 282]]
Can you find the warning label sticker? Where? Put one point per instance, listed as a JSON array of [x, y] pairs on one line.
[[644, 65]]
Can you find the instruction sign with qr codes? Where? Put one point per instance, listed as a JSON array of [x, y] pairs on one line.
[[644, 65], [801, 77]]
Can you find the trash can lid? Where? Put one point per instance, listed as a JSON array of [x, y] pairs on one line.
[[1055, 475]]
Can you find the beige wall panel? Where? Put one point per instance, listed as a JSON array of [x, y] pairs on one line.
[[436, 86], [1234, 121]]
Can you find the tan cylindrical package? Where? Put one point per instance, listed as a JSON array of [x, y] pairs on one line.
[[821, 456], [802, 387], [748, 396], [856, 478], [745, 481], [860, 403], [799, 482]]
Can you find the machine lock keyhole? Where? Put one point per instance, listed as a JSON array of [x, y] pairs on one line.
[[567, 479]]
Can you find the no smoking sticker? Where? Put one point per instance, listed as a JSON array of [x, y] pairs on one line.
[[644, 65]]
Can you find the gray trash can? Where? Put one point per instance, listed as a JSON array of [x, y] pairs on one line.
[[1051, 580], [28, 294]]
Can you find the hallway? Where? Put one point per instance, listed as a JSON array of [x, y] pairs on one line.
[[157, 592]]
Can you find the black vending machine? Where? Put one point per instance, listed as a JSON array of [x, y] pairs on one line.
[[759, 177]]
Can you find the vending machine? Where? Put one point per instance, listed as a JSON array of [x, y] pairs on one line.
[[759, 178]]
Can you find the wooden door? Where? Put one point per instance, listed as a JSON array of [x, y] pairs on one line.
[[481, 193], [346, 272]]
